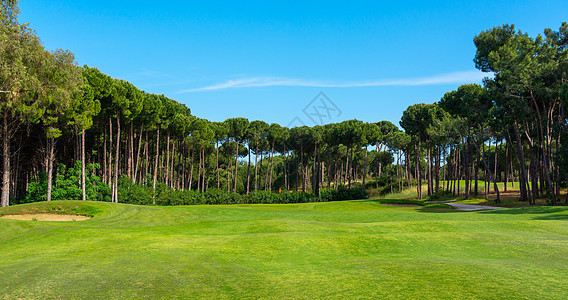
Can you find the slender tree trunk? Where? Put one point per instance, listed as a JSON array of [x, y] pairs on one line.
[[236, 168], [204, 171], [256, 167], [138, 153], [172, 160], [544, 152], [364, 170], [459, 168], [267, 172], [466, 169], [83, 163], [167, 175], [286, 185], [130, 147], [228, 168], [533, 173], [191, 169], [476, 174], [418, 177], [50, 158], [523, 182], [437, 173], [303, 174], [146, 159], [199, 171], [506, 165], [495, 162], [350, 166], [248, 168], [117, 157], [493, 177], [109, 173], [218, 177], [428, 169], [156, 164], [105, 174], [271, 167]]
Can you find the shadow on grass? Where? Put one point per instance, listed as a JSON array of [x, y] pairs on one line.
[[529, 210], [546, 212]]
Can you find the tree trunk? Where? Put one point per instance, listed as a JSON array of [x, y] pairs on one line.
[[544, 152], [476, 173], [286, 185], [495, 162], [109, 173], [204, 171], [302, 163], [117, 156], [130, 147], [83, 163], [248, 169], [256, 167], [50, 158], [167, 175], [105, 175], [429, 169], [228, 168], [236, 168], [138, 153], [364, 170], [350, 168], [466, 168], [172, 160], [218, 177], [146, 160], [458, 171], [199, 171], [191, 169], [418, 177], [521, 162], [156, 164], [271, 167]]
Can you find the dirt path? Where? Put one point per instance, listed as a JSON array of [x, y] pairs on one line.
[[46, 217]]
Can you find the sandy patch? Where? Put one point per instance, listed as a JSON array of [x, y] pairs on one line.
[[46, 217]]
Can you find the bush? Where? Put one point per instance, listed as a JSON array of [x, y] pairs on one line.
[[66, 185], [131, 193]]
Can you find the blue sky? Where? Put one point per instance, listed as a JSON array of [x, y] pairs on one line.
[[267, 60]]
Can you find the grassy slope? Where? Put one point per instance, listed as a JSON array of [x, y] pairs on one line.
[[337, 249]]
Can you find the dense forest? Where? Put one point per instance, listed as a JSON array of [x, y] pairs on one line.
[[72, 132]]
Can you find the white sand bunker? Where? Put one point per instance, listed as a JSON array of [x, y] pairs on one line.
[[46, 217]]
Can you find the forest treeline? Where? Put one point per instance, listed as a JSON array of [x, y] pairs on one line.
[[55, 115]]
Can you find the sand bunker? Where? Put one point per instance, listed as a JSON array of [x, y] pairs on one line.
[[46, 217]]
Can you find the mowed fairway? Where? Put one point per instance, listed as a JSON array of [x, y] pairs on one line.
[[352, 249]]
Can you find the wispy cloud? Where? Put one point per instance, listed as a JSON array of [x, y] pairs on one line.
[[448, 78]]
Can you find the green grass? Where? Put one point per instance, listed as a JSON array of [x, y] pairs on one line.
[[351, 249]]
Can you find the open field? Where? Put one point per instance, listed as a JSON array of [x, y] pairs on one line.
[[351, 249]]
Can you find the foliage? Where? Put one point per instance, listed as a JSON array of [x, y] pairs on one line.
[[67, 185]]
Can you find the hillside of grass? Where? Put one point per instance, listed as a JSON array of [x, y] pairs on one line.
[[350, 249]]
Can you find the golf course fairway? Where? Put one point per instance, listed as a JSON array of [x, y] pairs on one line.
[[350, 249]]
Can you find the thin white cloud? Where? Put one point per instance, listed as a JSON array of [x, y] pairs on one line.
[[448, 78]]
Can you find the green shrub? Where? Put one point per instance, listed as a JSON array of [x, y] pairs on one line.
[[66, 185]]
